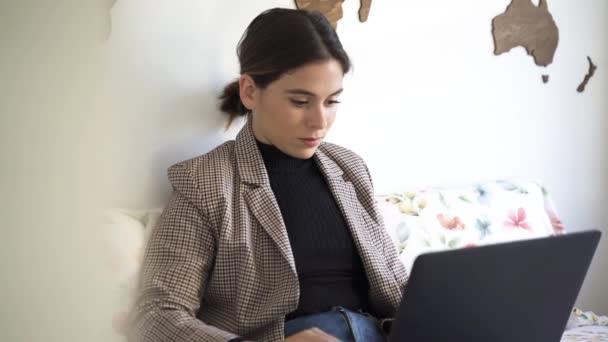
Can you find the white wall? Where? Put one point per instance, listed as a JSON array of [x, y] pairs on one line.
[[427, 104], [49, 173]]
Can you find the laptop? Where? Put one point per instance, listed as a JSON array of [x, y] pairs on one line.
[[517, 291]]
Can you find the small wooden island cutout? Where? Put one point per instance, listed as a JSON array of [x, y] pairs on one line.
[[590, 73]]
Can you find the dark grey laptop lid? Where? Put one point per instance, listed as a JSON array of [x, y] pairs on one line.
[[517, 291]]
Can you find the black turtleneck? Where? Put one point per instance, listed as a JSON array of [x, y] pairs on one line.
[[329, 267]]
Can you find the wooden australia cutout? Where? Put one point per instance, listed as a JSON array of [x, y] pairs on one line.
[[527, 25]]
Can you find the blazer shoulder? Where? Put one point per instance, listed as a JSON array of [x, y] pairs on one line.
[[353, 166], [203, 172], [345, 158]]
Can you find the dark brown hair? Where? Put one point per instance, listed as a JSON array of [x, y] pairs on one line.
[[277, 41]]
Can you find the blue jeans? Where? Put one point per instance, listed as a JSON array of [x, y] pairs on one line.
[[344, 324]]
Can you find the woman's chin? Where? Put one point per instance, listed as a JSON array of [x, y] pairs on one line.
[[303, 153]]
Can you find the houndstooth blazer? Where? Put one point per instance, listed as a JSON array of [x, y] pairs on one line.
[[219, 264]]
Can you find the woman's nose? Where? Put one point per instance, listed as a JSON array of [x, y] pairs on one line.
[[317, 118]]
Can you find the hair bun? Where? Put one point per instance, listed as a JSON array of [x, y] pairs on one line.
[[230, 101]]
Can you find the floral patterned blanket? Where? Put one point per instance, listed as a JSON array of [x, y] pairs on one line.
[[434, 219], [586, 326]]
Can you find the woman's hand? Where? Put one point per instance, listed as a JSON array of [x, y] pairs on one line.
[[311, 335]]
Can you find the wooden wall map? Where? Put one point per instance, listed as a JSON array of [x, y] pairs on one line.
[[592, 67], [366, 5], [332, 9], [527, 25]]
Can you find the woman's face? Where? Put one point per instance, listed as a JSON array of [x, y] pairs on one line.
[[295, 112]]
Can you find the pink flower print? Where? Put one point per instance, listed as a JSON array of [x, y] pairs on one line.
[[449, 222], [470, 245], [517, 220], [558, 227]]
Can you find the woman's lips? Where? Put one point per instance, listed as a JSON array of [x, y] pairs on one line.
[[311, 142]]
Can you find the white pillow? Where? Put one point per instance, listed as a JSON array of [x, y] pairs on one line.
[[125, 235]]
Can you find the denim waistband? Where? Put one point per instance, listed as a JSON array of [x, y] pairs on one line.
[[344, 324]]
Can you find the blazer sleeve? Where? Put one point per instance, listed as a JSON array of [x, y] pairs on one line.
[[389, 249], [392, 259], [177, 262]]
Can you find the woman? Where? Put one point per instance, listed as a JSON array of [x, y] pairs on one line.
[[274, 235]]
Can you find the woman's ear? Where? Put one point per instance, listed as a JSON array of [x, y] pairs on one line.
[[247, 91]]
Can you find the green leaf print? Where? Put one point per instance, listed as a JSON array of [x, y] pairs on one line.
[[453, 243], [443, 201], [464, 199]]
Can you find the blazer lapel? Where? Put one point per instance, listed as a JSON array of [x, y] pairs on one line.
[[381, 280], [345, 195], [263, 206], [259, 196]]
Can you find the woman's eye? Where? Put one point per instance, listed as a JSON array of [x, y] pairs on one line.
[[299, 103], [333, 102]]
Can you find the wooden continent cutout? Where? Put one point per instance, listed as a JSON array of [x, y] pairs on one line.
[[366, 5], [332, 9], [527, 25]]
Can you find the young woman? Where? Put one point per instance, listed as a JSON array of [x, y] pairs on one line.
[[275, 235]]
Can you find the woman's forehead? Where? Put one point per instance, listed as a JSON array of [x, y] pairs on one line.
[[322, 78]]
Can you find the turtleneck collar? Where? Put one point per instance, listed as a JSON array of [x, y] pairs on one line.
[[276, 161]]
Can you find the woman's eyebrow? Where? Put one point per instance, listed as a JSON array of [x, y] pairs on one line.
[[298, 91]]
